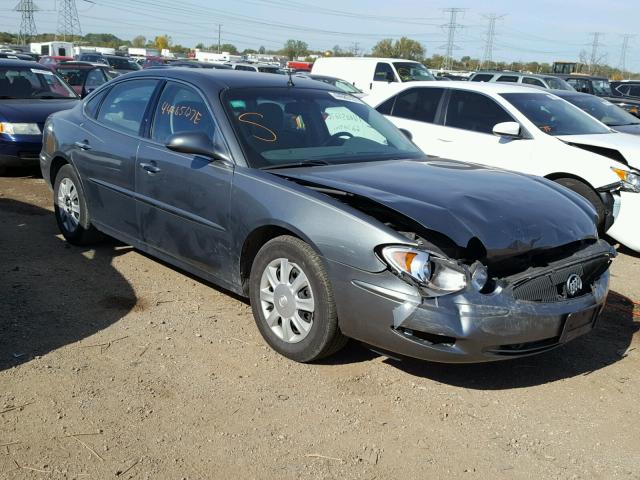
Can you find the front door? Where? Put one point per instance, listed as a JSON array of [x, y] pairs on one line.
[[467, 134], [183, 202]]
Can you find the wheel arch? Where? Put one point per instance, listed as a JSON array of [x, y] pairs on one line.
[[257, 238]]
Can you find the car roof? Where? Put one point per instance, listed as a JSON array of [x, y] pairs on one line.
[[487, 87], [586, 77], [534, 75], [221, 79], [8, 62], [81, 64]]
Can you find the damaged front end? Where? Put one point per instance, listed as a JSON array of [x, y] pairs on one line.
[[490, 318]]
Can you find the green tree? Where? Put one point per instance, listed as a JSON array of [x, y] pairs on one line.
[[139, 41], [295, 48], [262, 50], [228, 47], [200, 46], [403, 48]]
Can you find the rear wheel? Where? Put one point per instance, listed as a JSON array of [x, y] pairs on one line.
[[293, 302], [589, 194], [71, 209]]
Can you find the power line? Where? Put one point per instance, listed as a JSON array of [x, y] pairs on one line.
[[68, 20], [624, 51], [27, 22], [487, 57], [451, 27]]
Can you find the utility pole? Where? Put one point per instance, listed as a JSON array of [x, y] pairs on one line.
[[595, 45], [451, 27], [27, 22], [219, 35], [68, 20], [356, 48], [487, 57], [625, 50]]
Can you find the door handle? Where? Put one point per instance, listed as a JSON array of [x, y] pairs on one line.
[[446, 140], [83, 145], [150, 167]]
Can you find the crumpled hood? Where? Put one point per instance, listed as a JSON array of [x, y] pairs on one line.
[[628, 145], [510, 213], [33, 111]]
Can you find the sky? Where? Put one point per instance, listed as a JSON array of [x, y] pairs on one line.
[[542, 30]]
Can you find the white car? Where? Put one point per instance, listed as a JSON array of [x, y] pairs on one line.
[[527, 130]]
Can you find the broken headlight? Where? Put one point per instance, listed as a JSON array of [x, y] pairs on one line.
[[436, 275], [630, 180]]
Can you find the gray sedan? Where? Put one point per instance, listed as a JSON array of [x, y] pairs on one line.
[[330, 220]]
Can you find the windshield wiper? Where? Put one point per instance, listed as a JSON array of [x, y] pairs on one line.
[[308, 163]]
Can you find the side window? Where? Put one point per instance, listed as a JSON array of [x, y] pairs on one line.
[[482, 77], [95, 78], [91, 106], [634, 90], [624, 89], [419, 104], [508, 78], [180, 109], [124, 106], [532, 81], [385, 108], [384, 73], [475, 112]]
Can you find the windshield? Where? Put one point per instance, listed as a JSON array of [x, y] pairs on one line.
[[279, 126], [603, 110], [412, 72], [346, 87], [22, 83], [122, 63], [601, 87], [558, 84], [553, 115]]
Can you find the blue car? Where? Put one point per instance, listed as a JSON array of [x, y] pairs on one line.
[[29, 93]]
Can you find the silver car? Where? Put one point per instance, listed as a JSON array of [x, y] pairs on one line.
[[333, 223]]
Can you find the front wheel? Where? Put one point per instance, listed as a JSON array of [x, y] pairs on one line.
[[292, 301], [590, 195], [71, 210]]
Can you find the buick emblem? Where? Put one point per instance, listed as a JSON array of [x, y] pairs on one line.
[[573, 285]]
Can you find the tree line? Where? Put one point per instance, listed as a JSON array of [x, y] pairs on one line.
[[404, 47]]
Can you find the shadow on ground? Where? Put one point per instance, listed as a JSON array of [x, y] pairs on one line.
[[53, 294], [604, 346]]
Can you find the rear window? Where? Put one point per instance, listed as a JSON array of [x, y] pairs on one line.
[[508, 79], [24, 83], [482, 77]]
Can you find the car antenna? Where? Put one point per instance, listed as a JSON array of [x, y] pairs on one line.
[[290, 82]]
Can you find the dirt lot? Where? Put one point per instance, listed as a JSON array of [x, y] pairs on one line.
[[113, 365]]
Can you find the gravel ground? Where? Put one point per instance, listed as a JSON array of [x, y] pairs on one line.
[[113, 365]]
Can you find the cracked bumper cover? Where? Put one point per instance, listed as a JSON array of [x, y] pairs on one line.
[[385, 312]]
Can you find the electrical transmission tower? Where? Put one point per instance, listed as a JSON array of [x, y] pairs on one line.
[[625, 50], [487, 58], [594, 60], [27, 23], [68, 21], [451, 28]]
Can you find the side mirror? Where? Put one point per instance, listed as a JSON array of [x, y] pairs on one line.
[[406, 133], [196, 143], [507, 129]]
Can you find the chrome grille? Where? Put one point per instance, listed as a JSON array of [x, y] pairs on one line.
[[551, 286]]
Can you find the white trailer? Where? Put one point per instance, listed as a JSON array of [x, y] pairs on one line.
[[216, 57], [53, 49]]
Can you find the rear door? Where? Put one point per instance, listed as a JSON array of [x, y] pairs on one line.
[[417, 110], [468, 136], [183, 203], [105, 154]]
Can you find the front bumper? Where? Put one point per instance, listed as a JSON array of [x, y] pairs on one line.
[[626, 227], [20, 150], [387, 313]]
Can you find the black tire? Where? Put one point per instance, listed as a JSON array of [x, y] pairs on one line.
[[589, 194], [324, 337], [84, 233]]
